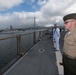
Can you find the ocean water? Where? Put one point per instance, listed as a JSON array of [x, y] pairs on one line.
[[8, 47]]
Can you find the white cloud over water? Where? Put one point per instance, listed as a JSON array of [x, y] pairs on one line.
[[50, 12]]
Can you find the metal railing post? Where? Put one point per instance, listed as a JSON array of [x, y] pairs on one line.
[[34, 38], [39, 35], [18, 45], [34, 30]]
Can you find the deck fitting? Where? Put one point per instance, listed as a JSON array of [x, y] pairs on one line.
[[41, 50]]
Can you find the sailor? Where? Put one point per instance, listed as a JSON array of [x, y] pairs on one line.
[[56, 36]]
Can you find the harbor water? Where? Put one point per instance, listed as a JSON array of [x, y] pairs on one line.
[[8, 47]]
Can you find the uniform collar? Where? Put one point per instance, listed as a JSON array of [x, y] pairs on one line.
[[68, 33], [71, 32]]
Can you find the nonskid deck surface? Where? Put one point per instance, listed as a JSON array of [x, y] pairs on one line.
[[40, 60]]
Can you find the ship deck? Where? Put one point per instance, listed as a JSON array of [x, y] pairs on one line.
[[41, 59]]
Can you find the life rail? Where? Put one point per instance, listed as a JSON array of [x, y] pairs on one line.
[[19, 45]]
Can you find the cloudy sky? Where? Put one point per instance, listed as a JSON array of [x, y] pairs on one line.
[[21, 13]]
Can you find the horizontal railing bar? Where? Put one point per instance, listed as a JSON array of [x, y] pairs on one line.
[[7, 37], [19, 34]]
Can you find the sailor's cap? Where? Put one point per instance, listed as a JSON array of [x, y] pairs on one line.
[[69, 16], [55, 24]]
